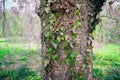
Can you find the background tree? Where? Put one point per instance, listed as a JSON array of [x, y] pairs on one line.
[[108, 29]]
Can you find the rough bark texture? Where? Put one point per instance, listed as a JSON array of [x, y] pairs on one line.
[[80, 68]]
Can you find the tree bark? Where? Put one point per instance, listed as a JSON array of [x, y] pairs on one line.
[[69, 44]]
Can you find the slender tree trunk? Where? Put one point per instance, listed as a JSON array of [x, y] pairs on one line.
[[67, 38]]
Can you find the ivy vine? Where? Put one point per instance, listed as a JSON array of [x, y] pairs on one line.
[[62, 19]]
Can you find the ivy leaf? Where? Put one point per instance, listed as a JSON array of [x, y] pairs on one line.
[[47, 9], [76, 12], [67, 61], [64, 44], [78, 6], [61, 33], [62, 29], [59, 38], [71, 45], [52, 18], [45, 62], [47, 34], [49, 49], [55, 43], [90, 47], [66, 37], [76, 25], [89, 42], [74, 35], [73, 54], [54, 57], [71, 57], [50, 1]]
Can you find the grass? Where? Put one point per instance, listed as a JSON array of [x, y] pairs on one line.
[[107, 62], [23, 53], [22, 73], [15, 48]]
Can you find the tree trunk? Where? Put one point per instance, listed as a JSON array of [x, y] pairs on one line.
[[67, 27]]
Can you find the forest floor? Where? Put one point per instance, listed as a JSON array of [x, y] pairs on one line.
[[106, 61], [18, 61]]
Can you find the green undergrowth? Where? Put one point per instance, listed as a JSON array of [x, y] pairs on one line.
[[107, 62], [12, 54], [22, 73], [14, 48]]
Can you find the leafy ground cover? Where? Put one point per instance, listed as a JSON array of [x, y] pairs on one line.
[[106, 64]]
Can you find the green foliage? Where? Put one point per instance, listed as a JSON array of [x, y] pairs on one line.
[[76, 76], [76, 25], [107, 62], [70, 60], [22, 73], [5, 73], [57, 38], [2, 40], [76, 12], [113, 73], [7, 48], [98, 72], [9, 51]]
